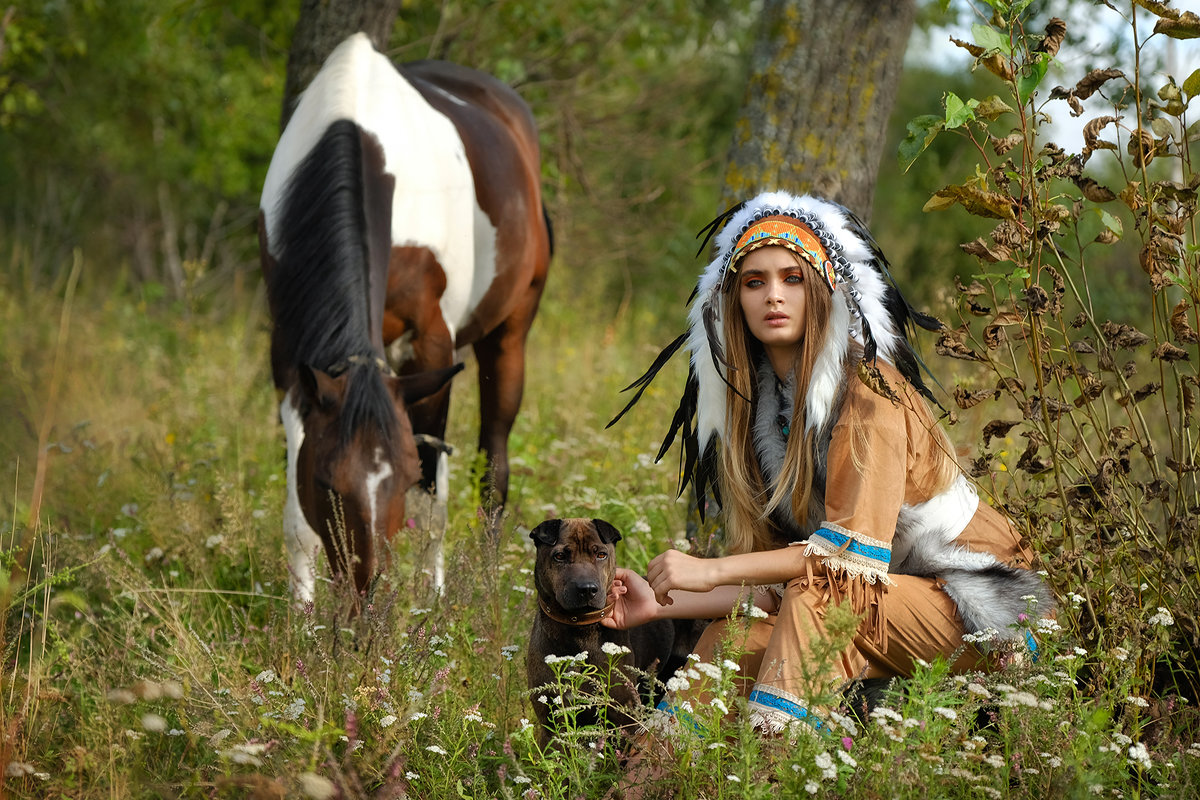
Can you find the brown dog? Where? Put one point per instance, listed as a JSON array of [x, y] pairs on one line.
[[573, 577]]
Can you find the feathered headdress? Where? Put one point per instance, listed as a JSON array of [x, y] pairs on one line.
[[866, 308]]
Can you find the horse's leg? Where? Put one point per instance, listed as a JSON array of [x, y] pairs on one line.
[[303, 543], [428, 500], [501, 358]]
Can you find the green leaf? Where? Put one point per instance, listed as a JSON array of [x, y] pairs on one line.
[[1031, 76], [1111, 222], [921, 133], [991, 39], [1191, 86], [959, 113]]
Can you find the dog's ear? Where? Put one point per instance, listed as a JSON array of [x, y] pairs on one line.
[[546, 533], [608, 534]]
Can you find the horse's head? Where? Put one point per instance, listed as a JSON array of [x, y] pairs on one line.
[[354, 459]]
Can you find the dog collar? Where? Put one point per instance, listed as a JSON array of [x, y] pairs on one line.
[[590, 618]]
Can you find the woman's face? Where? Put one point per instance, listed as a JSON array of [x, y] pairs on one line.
[[773, 295]]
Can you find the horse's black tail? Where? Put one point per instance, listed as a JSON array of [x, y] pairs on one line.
[[549, 228]]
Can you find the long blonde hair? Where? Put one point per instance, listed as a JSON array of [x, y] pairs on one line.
[[748, 502]]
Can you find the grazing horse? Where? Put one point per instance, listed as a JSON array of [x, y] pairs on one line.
[[401, 219]]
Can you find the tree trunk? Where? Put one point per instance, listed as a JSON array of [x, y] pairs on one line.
[[823, 80], [322, 26]]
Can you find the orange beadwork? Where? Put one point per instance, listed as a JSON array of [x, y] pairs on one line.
[[790, 233]]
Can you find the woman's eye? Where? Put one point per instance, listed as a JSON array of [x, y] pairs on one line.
[[795, 277], [753, 283]]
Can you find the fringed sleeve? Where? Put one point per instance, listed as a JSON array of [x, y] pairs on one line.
[[848, 567]]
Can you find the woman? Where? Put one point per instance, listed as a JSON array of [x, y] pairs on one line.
[[836, 483]]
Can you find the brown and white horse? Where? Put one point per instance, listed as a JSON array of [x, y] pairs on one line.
[[401, 219]]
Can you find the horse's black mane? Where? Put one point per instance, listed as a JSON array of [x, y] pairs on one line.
[[319, 286]]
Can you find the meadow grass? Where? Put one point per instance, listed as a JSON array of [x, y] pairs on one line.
[[150, 648]]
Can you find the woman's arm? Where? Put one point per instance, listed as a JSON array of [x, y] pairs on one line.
[[635, 603], [672, 571]]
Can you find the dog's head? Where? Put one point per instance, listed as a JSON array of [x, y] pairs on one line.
[[575, 563]]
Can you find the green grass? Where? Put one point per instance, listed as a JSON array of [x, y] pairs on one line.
[[150, 649]]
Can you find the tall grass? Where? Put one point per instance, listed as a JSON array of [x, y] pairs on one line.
[[151, 651]]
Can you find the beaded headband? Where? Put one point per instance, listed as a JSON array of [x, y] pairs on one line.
[[786, 232]]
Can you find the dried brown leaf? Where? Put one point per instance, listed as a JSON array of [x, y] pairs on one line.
[[1014, 386], [979, 202], [1094, 191], [965, 398], [996, 429], [1141, 147], [1180, 327], [1093, 81], [1056, 31], [1083, 345], [1091, 135], [875, 381], [949, 346], [1187, 26], [1170, 352], [1123, 336], [980, 249]]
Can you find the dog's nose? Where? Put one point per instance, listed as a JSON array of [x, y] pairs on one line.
[[588, 590]]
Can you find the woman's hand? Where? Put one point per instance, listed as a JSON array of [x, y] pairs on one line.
[[675, 570], [634, 602]]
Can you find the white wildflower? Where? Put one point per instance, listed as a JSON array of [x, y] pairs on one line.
[[711, 670], [677, 684], [978, 689], [1140, 702], [441, 751], [418, 715], [387, 721], [18, 769], [411, 776], [731, 666], [1076, 599], [948, 713], [719, 705], [266, 676], [1120, 654], [614, 649], [1163, 617], [214, 541], [847, 759], [733, 779], [756, 613], [812, 787], [1047, 625], [825, 763], [994, 760], [1139, 756]]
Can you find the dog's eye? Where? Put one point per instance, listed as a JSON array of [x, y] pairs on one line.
[[560, 555], [601, 555]]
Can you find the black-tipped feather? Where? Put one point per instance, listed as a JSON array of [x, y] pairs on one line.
[[648, 377]]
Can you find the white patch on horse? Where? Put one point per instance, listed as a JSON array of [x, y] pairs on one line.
[[383, 471], [435, 204], [303, 543]]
